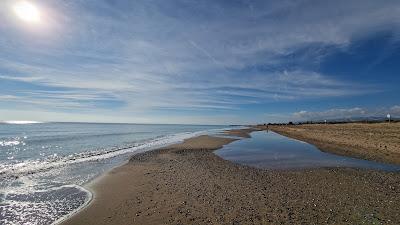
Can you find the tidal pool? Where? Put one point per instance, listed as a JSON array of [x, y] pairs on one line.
[[269, 150]]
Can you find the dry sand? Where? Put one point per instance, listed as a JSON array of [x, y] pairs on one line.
[[188, 184], [379, 142]]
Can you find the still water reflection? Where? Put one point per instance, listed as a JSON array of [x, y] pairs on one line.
[[270, 150]]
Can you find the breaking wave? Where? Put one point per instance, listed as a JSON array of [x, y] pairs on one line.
[[31, 166]]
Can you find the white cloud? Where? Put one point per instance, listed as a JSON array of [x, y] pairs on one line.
[[191, 55], [395, 110]]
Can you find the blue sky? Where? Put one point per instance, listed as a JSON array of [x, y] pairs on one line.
[[200, 61]]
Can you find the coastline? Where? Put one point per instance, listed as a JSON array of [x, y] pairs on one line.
[[89, 186], [88, 200], [187, 184], [95, 187]]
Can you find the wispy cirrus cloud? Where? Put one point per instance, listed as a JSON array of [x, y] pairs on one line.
[[222, 93]]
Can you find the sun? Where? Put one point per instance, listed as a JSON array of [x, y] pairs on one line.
[[27, 12]]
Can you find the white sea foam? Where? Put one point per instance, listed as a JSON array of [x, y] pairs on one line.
[[33, 166], [29, 188], [19, 207], [89, 198]]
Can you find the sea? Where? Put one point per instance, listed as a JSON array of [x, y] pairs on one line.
[[44, 166]]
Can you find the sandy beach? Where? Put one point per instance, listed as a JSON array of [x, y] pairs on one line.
[[378, 142], [181, 112], [187, 184]]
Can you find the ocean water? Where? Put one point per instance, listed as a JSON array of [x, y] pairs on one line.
[[269, 150], [43, 166]]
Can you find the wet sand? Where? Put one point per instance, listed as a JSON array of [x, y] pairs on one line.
[[188, 184], [378, 142], [243, 133]]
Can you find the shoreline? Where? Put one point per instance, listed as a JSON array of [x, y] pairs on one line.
[[89, 199], [88, 187], [187, 183]]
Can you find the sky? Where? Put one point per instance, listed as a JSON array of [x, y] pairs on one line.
[[200, 61]]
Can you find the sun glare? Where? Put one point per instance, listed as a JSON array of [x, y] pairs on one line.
[[27, 12]]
